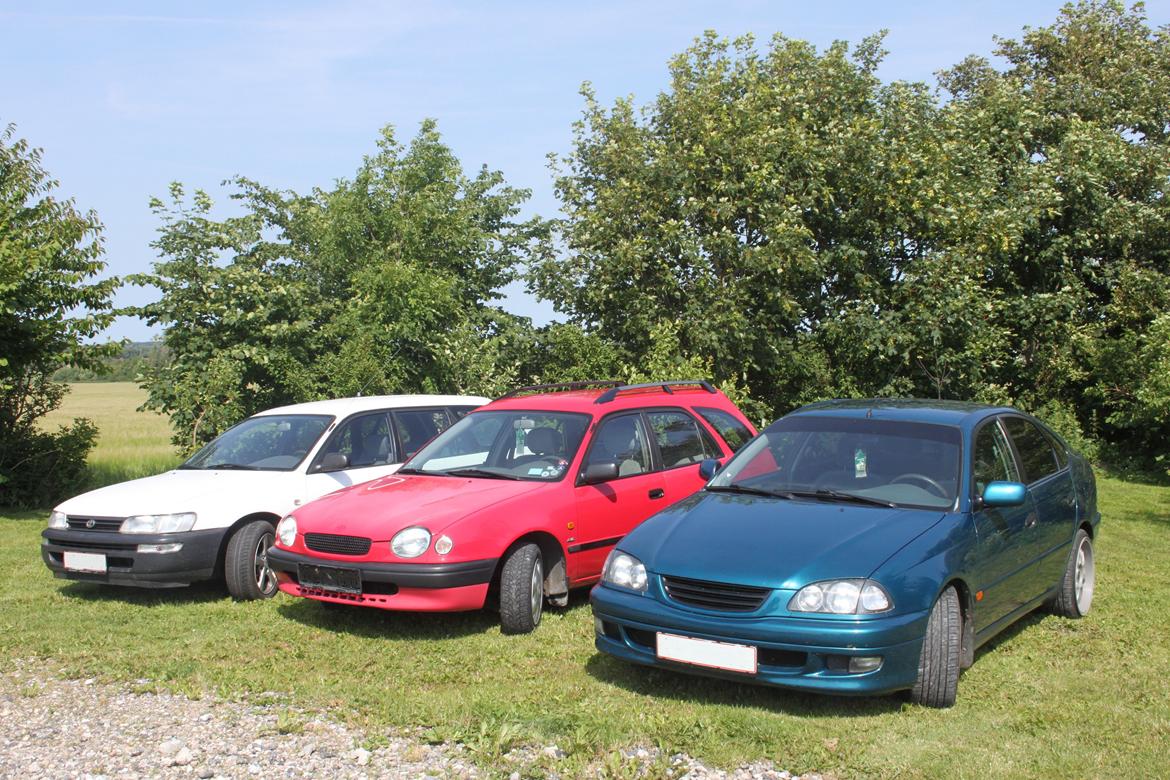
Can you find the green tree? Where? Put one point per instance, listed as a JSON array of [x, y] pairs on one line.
[[388, 282], [50, 306]]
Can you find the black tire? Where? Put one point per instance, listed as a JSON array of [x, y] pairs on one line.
[[938, 664], [522, 590], [245, 565], [1075, 595]]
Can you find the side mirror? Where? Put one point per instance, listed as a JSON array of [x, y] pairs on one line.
[[709, 467], [1003, 494], [334, 461], [599, 472]]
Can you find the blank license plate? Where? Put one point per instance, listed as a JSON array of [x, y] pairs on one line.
[[703, 652], [329, 578], [75, 561]]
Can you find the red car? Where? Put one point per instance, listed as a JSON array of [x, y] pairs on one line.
[[520, 500]]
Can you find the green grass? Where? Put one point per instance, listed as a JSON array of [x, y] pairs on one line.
[[1049, 698], [130, 443]]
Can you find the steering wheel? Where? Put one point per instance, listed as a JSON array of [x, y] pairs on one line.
[[931, 485]]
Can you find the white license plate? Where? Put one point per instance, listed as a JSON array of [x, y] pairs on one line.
[[75, 561], [703, 652]]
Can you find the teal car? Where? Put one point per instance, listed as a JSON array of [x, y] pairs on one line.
[[858, 547]]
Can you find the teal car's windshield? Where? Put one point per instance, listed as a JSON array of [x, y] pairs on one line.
[[881, 462], [504, 445], [277, 442]]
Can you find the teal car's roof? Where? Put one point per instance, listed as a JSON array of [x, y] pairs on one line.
[[958, 413]]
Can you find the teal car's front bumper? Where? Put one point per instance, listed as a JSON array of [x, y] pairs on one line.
[[807, 653]]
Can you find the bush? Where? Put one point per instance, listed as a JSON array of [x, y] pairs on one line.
[[39, 468]]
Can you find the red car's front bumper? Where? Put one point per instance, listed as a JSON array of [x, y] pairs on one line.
[[415, 587]]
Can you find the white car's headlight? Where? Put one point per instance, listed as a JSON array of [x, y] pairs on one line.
[[842, 597], [58, 520], [159, 524], [624, 571], [286, 531], [411, 542]]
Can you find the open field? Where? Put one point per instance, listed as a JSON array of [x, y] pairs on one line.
[[1050, 698]]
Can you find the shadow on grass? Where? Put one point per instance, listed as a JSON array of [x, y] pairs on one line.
[[670, 684], [1011, 632], [199, 593]]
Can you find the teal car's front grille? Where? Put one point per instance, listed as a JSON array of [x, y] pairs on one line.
[[721, 596]]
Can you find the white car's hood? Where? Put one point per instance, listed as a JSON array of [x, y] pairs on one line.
[[217, 497]]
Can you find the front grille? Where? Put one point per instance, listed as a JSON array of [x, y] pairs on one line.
[[81, 523], [337, 544], [98, 546], [715, 595]]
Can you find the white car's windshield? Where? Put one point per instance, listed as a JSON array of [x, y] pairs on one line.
[[881, 462], [504, 445], [266, 443]]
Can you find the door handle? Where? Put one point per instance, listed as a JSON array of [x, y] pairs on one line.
[[657, 493], [1031, 520]]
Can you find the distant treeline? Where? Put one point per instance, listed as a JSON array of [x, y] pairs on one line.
[[126, 366]]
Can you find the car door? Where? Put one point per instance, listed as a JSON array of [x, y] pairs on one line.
[[1002, 555], [1050, 482], [681, 444], [607, 511], [366, 443]]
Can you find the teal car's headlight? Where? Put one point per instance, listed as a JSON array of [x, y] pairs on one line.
[[58, 520], [624, 571], [411, 542], [175, 523], [286, 531], [842, 597]]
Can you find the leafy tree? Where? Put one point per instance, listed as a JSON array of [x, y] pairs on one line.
[[49, 307], [385, 283]]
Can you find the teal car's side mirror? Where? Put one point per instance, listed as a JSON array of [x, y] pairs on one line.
[[708, 467], [1003, 494]]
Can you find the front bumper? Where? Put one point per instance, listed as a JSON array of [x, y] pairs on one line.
[[413, 587], [809, 654], [125, 565]]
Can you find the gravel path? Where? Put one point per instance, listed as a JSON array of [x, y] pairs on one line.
[[59, 728]]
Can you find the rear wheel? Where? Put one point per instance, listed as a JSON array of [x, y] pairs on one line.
[[938, 663], [1075, 596], [522, 590], [245, 565]]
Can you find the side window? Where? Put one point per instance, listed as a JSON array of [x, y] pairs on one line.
[[418, 426], [679, 440], [621, 440], [1036, 454], [364, 440], [459, 412], [734, 432], [993, 461]]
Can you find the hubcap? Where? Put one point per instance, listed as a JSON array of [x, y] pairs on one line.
[[1085, 576], [265, 578], [536, 592]]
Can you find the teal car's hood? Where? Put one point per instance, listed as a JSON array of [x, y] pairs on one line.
[[773, 543]]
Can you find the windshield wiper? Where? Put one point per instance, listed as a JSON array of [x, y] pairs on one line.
[[837, 495], [230, 467], [746, 490], [474, 472], [412, 470]]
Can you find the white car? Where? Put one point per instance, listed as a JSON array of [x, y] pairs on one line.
[[214, 515]]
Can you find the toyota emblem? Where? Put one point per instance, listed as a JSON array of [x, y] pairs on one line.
[[90, 523]]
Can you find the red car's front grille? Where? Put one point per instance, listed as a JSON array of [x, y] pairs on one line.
[[337, 544]]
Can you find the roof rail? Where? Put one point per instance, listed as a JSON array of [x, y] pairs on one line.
[[612, 393], [562, 386]]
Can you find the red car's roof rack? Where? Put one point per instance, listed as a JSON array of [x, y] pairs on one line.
[[612, 393], [562, 387]]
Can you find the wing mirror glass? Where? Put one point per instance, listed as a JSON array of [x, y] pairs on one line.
[[334, 461], [1003, 494], [599, 472], [709, 467]]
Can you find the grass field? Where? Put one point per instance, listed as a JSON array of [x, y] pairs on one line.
[[1050, 698]]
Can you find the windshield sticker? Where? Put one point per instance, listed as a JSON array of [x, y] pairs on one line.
[[536, 471], [859, 470]]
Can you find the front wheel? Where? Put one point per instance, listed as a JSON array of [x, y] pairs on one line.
[[1080, 578], [522, 590], [938, 663], [245, 565]]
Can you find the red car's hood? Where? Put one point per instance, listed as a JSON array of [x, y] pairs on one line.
[[382, 508]]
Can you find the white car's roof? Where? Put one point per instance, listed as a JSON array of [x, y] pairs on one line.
[[343, 407]]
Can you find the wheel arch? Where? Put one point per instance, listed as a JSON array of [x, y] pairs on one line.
[[967, 611], [556, 579], [231, 530]]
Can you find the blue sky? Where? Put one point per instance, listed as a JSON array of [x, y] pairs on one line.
[[127, 97]]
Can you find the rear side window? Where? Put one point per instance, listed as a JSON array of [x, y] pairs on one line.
[[418, 426], [461, 411], [734, 432], [679, 438], [1036, 454]]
